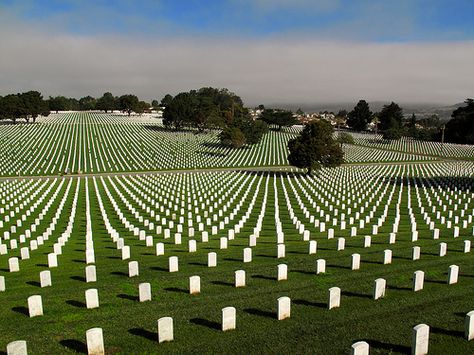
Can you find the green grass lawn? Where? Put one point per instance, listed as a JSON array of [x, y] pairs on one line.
[[131, 327]]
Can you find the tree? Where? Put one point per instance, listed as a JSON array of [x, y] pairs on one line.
[[142, 107], [58, 103], [166, 100], [460, 129], [232, 136], [128, 103], [106, 102], [10, 107], [32, 105], [279, 118], [342, 113], [87, 103], [411, 130], [360, 116], [155, 104], [391, 118], [179, 110], [315, 147], [345, 138]]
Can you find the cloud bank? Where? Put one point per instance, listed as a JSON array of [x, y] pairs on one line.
[[284, 70]]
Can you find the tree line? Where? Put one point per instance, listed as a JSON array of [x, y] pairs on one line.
[[391, 123], [31, 104], [107, 102]]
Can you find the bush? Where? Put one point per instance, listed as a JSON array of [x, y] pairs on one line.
[[346, 138], [232, 136]]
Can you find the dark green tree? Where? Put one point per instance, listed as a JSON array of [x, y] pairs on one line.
[[360, 116], [32, 105], [391, 119], [106, 102], [460, 128], [345, 138], [179, 111], [155, 104], [232, 136], [142, 107], [315, 148], [166, 100], [10, 107], [87, 103], [59, 103], [128, 103], [278, 118]]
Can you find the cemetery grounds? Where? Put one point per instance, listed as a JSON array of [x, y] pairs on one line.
[[103, 191]]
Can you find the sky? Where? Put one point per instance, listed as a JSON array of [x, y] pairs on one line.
[[266, 51]]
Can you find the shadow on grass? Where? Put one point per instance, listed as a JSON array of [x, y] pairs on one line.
[[78, 278], [140, 332], [158, 268], [262, 277], [33, 283], [197, 264], [206, 323], [453, 333], [176, 289], [266, 256], [460, 314], [388, 346], [309, 303], [371, 262], [401, 257], [426, 253], [297, 252], [78, 261], [233, 259], [21, 310], [119, 273], [127, 297], [436, 282], [339, 266], [304, 272], [74, 345], [75, 303], [465, 275], [355, 294], [399, 288], [40, 265], [114, 257], [222, 283], [259, 312]]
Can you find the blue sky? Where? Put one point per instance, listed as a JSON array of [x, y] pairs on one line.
[[366, 20], [266, 51]]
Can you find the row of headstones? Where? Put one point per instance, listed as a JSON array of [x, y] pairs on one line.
[[14, 265], [178, 235], [353, 229], [95, 338], [28, 233], [177, 240]]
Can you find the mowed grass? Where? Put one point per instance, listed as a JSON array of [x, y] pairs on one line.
[[131, 327]]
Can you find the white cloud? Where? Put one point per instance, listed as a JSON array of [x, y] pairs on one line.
[[261, 71]]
